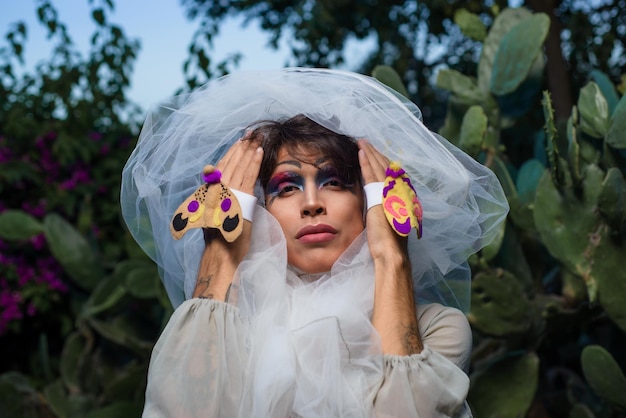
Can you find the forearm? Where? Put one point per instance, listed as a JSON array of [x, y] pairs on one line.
[[394, 314], [215, 276]]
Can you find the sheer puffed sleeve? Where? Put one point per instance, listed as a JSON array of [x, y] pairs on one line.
[[197, 365], [433, 383]]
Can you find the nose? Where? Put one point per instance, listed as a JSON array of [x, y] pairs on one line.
[[312, 203]]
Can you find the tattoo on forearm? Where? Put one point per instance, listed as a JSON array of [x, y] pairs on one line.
[[412, 340], [202, 285]]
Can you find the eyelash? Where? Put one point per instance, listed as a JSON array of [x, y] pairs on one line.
[[290, 184]]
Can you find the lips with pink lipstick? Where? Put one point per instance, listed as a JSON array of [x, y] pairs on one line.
[[316, 233]]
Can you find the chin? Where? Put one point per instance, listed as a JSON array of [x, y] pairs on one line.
[[310, 266]]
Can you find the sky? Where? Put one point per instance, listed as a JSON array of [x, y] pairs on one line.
[[163, 30]]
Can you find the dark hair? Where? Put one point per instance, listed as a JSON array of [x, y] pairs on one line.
[[300, 135]]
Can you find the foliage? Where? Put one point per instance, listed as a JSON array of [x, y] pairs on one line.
[[547, 308], [416, 38], [78, 316]]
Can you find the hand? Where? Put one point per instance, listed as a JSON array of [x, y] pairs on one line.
[[240, 170], [394, 315], [382, 239]]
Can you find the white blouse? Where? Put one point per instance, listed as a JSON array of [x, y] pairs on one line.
[[294, 345]]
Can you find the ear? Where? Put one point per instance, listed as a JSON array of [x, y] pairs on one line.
[[212, 205]]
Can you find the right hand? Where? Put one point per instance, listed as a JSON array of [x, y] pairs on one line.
[[240, 170]]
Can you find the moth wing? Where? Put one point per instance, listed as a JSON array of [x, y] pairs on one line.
[[398, 205], [190, 214], [226, 214]]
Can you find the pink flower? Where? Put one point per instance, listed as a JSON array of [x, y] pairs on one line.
[[31, 310], [9, 309], [95, 136]]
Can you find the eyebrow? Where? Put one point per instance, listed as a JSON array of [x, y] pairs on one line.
[[290, 162], [299, 165]]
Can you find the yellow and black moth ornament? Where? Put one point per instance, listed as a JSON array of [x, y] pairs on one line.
[[212, 205]]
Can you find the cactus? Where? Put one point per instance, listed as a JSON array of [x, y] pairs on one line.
[[505, 389], [499, 307], [604, 375], [558, 262], [517, 53], [389, 77]]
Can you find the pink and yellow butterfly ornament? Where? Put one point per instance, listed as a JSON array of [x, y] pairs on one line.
[[400, 203]]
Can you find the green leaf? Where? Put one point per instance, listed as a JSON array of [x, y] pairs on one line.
[[98, 16], [462, 86], [470, 24], [573, 147], [517, 52], [612, 198], [119, 409], [142, 283], [499, 307], [56, 397], [122, 331], [580, 410], [72, 251], [606, 271], [18, 398], [502, 24], [604, 374], [17, 225], [528, 178], [593, 111], [556, 164], [566, 220], [127, 384], [617, 126], [505, 389], [608, 89], [389, 77], [107, 293], [72, 361], [492, 249], [473, 130]]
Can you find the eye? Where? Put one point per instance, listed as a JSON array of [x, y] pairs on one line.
[[329, 178], [287, 189], [284, 184], [334, 182]]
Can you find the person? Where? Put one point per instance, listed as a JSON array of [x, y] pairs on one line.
[[319, 307]]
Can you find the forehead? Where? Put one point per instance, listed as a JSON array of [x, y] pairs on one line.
[[300, 155]]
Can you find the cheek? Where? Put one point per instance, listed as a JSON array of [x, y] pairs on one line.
[[280, 213], [353, 214]]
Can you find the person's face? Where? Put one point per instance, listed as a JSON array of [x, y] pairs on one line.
[[320, 213]]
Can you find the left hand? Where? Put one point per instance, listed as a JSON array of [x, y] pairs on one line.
[[394, 315], [381, 237]]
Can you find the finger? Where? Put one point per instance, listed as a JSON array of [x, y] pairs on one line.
[[249, 172], [366, 168], [241, 174], [376, 163], [381, 160], [231, 154]]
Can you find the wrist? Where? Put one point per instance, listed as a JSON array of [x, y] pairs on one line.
[[216, 272], [392, 260]]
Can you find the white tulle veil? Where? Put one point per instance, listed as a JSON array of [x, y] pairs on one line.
[[462, 200]]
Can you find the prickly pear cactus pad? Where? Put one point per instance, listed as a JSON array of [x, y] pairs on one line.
[[573, 232], [505, 389], [499, 307]]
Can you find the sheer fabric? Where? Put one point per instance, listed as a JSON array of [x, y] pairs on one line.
[[304, 346], [463, 202]]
